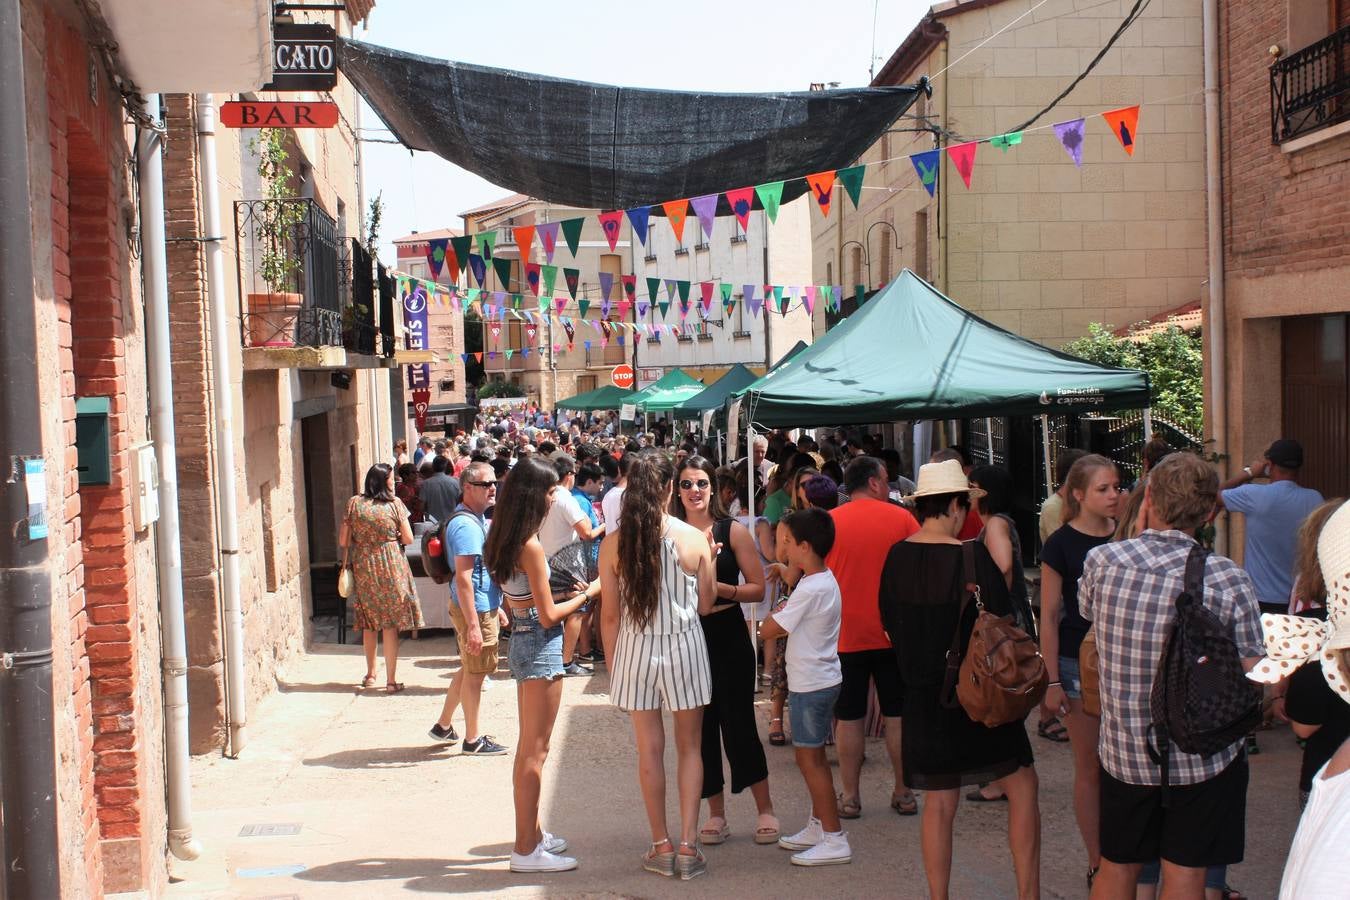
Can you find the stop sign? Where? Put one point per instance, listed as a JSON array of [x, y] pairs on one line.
[[622, 376]]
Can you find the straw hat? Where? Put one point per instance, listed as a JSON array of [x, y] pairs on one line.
[[1292, 641], [944, 478]]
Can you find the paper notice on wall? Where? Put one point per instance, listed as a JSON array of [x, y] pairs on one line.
[[628, 412], [35, 484], [707, 422]]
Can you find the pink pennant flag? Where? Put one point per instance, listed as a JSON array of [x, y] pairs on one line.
[[559, 303], [611, 222], [548, 234], [809, 298], [623, 309], [705, 208], [963, 157]]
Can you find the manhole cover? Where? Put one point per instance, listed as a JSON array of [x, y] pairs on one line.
[[275, 829]]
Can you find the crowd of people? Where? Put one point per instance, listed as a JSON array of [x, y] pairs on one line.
[[578, 547]]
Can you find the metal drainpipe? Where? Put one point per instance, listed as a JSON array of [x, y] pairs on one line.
[[28, 738], [173, 638], [221, 336], [1216, 321]]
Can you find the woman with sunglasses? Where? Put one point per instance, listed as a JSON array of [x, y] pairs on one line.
[[515, 560], [729, 719]]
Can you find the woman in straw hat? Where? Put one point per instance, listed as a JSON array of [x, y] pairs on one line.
[[922, 586]]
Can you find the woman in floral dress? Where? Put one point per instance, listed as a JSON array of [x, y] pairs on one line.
[[373, 533]]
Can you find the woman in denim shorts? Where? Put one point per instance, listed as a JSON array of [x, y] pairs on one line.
[[516, 561]]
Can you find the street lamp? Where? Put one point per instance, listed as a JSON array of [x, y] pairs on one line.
[[863, 245]]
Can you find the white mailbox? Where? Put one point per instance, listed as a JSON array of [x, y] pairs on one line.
[[144, 486]]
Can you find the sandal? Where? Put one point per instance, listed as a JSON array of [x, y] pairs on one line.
[[710, 834], [690, 865], [1092, 873], [767, 830], [849, 809], [1052, 729], [660, 862], [906, 804], [393, 687], [368, 681], [1231, 893], [977, 796], [776, 736]]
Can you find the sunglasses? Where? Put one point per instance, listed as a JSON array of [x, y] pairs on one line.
[[486, 485], [702, 484]]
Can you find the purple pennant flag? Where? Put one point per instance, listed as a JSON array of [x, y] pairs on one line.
[[606, 285], [670, 288], [639, 216], [604, 304], [751, 303], [548, 235], [1070, 134], [705, 208], [837, 295], [478, 267], [642, 307], [499, 300]]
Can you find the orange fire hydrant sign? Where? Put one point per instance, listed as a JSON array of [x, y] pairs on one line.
[[278, 114]]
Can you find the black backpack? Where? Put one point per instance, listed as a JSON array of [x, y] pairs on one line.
[[1202, 700], [438, 566]]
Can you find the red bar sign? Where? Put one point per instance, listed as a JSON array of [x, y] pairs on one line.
[[278, 114]]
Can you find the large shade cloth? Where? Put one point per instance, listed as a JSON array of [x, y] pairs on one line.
[[715, 395], [668, 392], [607, 147], [607, 397], [911, 353]]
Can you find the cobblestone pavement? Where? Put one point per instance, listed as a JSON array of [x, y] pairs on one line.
[[384, 812]]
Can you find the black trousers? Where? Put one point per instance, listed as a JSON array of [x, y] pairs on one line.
[[729, 718]]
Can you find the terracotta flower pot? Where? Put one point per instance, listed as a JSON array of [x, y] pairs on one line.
[[272, 317]]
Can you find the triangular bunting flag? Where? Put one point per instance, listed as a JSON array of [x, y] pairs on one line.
[[642, 307], [664, 306], [963, 157], [809, 298], [571, 277], [822, 189], [653, 287], [852, 180], [670, 288], [571, 229], [705, 208], [487, 244], [524, 235], [436, 256], [502, 266], [741, 201], [683, 288], [559, 303], [837, 295], [606, 285], [860, 293], [778, 299], [610, 223], [532, 277], [550, 274], [676, 211], [1070, 135], [725, 290], [508, 352], [1004, 141], [706, 287], [463, 246], [1124, 122], [464, 356], [478, 356], [638, 217], [926, 164], [770, 195], [604, 309], [548, 236], [525, 352], [531, 331], [752, 303], [478, 267], [629, 287]]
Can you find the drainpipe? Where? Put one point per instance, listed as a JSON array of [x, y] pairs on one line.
[[28, 738], [168, 549], [1216, 322], [222, 336]]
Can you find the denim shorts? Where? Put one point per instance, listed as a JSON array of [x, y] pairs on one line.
[[811, 715], [535, 651], [1070, 679]]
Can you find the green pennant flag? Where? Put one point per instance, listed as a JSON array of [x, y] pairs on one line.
[[664, 306], [582, 306], [516, 300], [544, 305], [473, 294], [726, 294], [852, 179], [859, 293], [653, 286], [502, 267], [683, 288], [550, 274], [571, 229], [487, 242], [770, 195], [1004, 141], [508, 351], [463, 247], [778, 298]]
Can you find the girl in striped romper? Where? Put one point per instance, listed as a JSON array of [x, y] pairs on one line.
[[656, 578]]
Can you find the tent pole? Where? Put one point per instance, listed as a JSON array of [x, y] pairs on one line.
[[750, 517], [1148, 424], [989, 438], [1045, 453]]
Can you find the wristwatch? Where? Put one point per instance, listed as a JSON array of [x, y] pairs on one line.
[[1248, 471]]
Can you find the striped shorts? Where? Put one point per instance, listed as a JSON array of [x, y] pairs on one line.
[[651, 670]]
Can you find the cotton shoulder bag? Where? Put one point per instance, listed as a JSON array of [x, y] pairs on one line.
[[1002, 676]]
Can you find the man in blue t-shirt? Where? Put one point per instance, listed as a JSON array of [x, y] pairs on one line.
[[475, 611], [1273, 513]]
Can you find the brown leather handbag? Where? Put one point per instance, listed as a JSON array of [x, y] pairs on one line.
[[1089, 673], [1002, 676]]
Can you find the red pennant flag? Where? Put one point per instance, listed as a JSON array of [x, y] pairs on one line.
[[1124, 123], [707, 288], [677, 211], [629, 289], [532, 277], [524, 238], [822, 188], [963, 157], [610, 222], [742, 200]]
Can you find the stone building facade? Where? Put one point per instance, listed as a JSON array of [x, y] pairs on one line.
[[445, 326]]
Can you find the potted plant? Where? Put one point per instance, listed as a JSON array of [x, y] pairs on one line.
[[272, 315]]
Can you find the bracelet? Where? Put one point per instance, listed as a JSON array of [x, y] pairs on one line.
[[1054, 684]]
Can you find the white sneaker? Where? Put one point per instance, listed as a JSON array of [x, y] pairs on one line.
[[805, 839], [541, 860], [833, 850], [553, 844]]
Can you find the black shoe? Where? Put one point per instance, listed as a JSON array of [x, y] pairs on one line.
[[1252, 749], [444, 735], [484, 746], [574, 668], [595, 656]]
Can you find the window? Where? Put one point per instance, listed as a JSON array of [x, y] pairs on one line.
[[446, 385], [737, 232], [884, 275], [857, 269], [921, 244], [829, 273]]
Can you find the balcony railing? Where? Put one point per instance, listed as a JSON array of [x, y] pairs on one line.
[[288, 274], [360, 333], [1310, 89]]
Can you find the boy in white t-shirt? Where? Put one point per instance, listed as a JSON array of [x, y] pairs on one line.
[[811, 617]]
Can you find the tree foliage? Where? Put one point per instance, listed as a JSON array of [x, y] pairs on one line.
[[1173, 359], [500, 389]]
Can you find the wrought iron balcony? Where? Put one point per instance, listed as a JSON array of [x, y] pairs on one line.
[[288, 274], [1310, 89]]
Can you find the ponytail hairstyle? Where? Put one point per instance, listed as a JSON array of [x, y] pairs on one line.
[[1079, 478], [522, 503], [645, 500]]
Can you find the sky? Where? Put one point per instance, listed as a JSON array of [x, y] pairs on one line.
[[709, 45]]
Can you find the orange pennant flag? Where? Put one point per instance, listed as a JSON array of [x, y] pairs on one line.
[[524, 238], [677, 211], [1124, 123], [478, 357], [822, 188]]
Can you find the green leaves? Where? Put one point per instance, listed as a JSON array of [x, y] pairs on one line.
[[1173, 359]]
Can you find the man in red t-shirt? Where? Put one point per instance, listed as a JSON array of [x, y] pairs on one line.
[[973, 524], [865, 529]]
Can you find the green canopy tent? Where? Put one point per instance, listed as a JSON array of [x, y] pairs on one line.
[[607, 397], [672, 389], [796, 348], [715, 395]]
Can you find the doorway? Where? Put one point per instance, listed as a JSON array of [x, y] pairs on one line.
[[328, 613], [1316, 385]]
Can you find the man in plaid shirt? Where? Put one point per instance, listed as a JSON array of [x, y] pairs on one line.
[[1128, 590]]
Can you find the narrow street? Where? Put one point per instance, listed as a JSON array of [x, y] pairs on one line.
[[381, 811]]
